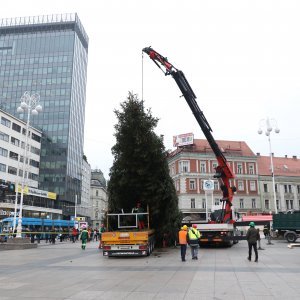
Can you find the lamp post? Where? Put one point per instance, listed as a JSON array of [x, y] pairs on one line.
[[29, 103], [269, 124]]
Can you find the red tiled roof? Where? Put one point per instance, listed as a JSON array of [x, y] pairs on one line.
[[234, 148], [283, 166]]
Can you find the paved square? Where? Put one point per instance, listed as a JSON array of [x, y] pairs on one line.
[[64, 271]]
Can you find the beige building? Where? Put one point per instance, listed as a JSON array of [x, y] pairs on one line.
[[287, 183], [99, 199], [191, 166]]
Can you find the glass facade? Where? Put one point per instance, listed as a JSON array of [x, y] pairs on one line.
[[48, 55]]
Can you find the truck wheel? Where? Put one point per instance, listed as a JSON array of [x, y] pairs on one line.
[[291, 237]]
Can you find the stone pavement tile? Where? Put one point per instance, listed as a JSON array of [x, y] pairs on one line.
[[255, 288], [268, 298], [202, 287], [203, 275], [87, 295], [103, 285], [149, 287], [141, 295], [169, 296], [112, 295], [225, 276], [229, 297], [246, 276], [277, 286], [198, 296]]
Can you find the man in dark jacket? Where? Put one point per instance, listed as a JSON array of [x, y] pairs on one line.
[[252, 238]]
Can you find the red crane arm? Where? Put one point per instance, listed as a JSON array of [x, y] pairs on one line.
[[223, 170]]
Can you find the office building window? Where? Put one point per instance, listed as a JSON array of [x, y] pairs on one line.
[[193, 205], [214, 165], [13, 155], [217, 201], [216, 185], [3, 152], [253, 202], [241, 203], [203, 203], [184, 166], [265, 188], [240, 185], [12, 170], [202, 167], [276, 188], [5, 122], [36, 137], [14, 141], [192, 184], [2, 168], [251, 169], [298, 189], [252, 185], [267, 204], [16, 127], [173, 170], [290, 188], [289, 204], [4, 136], [239, 168]]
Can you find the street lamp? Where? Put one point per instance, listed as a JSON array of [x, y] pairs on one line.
[[269, 125], [29, 103]]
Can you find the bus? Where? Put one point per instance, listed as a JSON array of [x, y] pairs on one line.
[[42, 227]]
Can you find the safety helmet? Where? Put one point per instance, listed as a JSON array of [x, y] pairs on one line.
[[184, 227], [252, 224], [194, 225]]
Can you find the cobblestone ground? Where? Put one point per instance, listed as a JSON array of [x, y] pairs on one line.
[[64, 271]]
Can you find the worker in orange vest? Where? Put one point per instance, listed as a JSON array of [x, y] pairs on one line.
[[182, 237]]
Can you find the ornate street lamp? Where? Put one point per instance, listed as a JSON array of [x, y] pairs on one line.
[[29, 104], [269, 125]]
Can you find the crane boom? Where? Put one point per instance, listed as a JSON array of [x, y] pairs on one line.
[[223, 170]]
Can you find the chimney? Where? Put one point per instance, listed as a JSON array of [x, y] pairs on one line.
[[294, 156], [257, 154]]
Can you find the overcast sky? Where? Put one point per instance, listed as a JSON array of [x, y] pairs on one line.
[[242, 59]]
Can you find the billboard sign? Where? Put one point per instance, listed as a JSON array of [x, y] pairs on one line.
[[183, 139], [36, 192]]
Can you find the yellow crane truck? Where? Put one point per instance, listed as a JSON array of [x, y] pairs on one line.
[[125, 237]]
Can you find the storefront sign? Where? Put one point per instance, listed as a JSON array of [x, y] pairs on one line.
[[37, 192]]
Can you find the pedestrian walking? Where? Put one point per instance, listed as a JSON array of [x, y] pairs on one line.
[[267, 234], [84, 236], [95, 236], [74, 234], [258, 241], [252, 238], [101, 230], [193, 241], [182, 238]]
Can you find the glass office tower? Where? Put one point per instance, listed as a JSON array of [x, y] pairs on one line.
[[48, 55]]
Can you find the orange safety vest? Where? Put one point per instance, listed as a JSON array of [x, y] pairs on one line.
[[182, 237]]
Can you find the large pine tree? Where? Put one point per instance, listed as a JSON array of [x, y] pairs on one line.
[[140, 170]]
